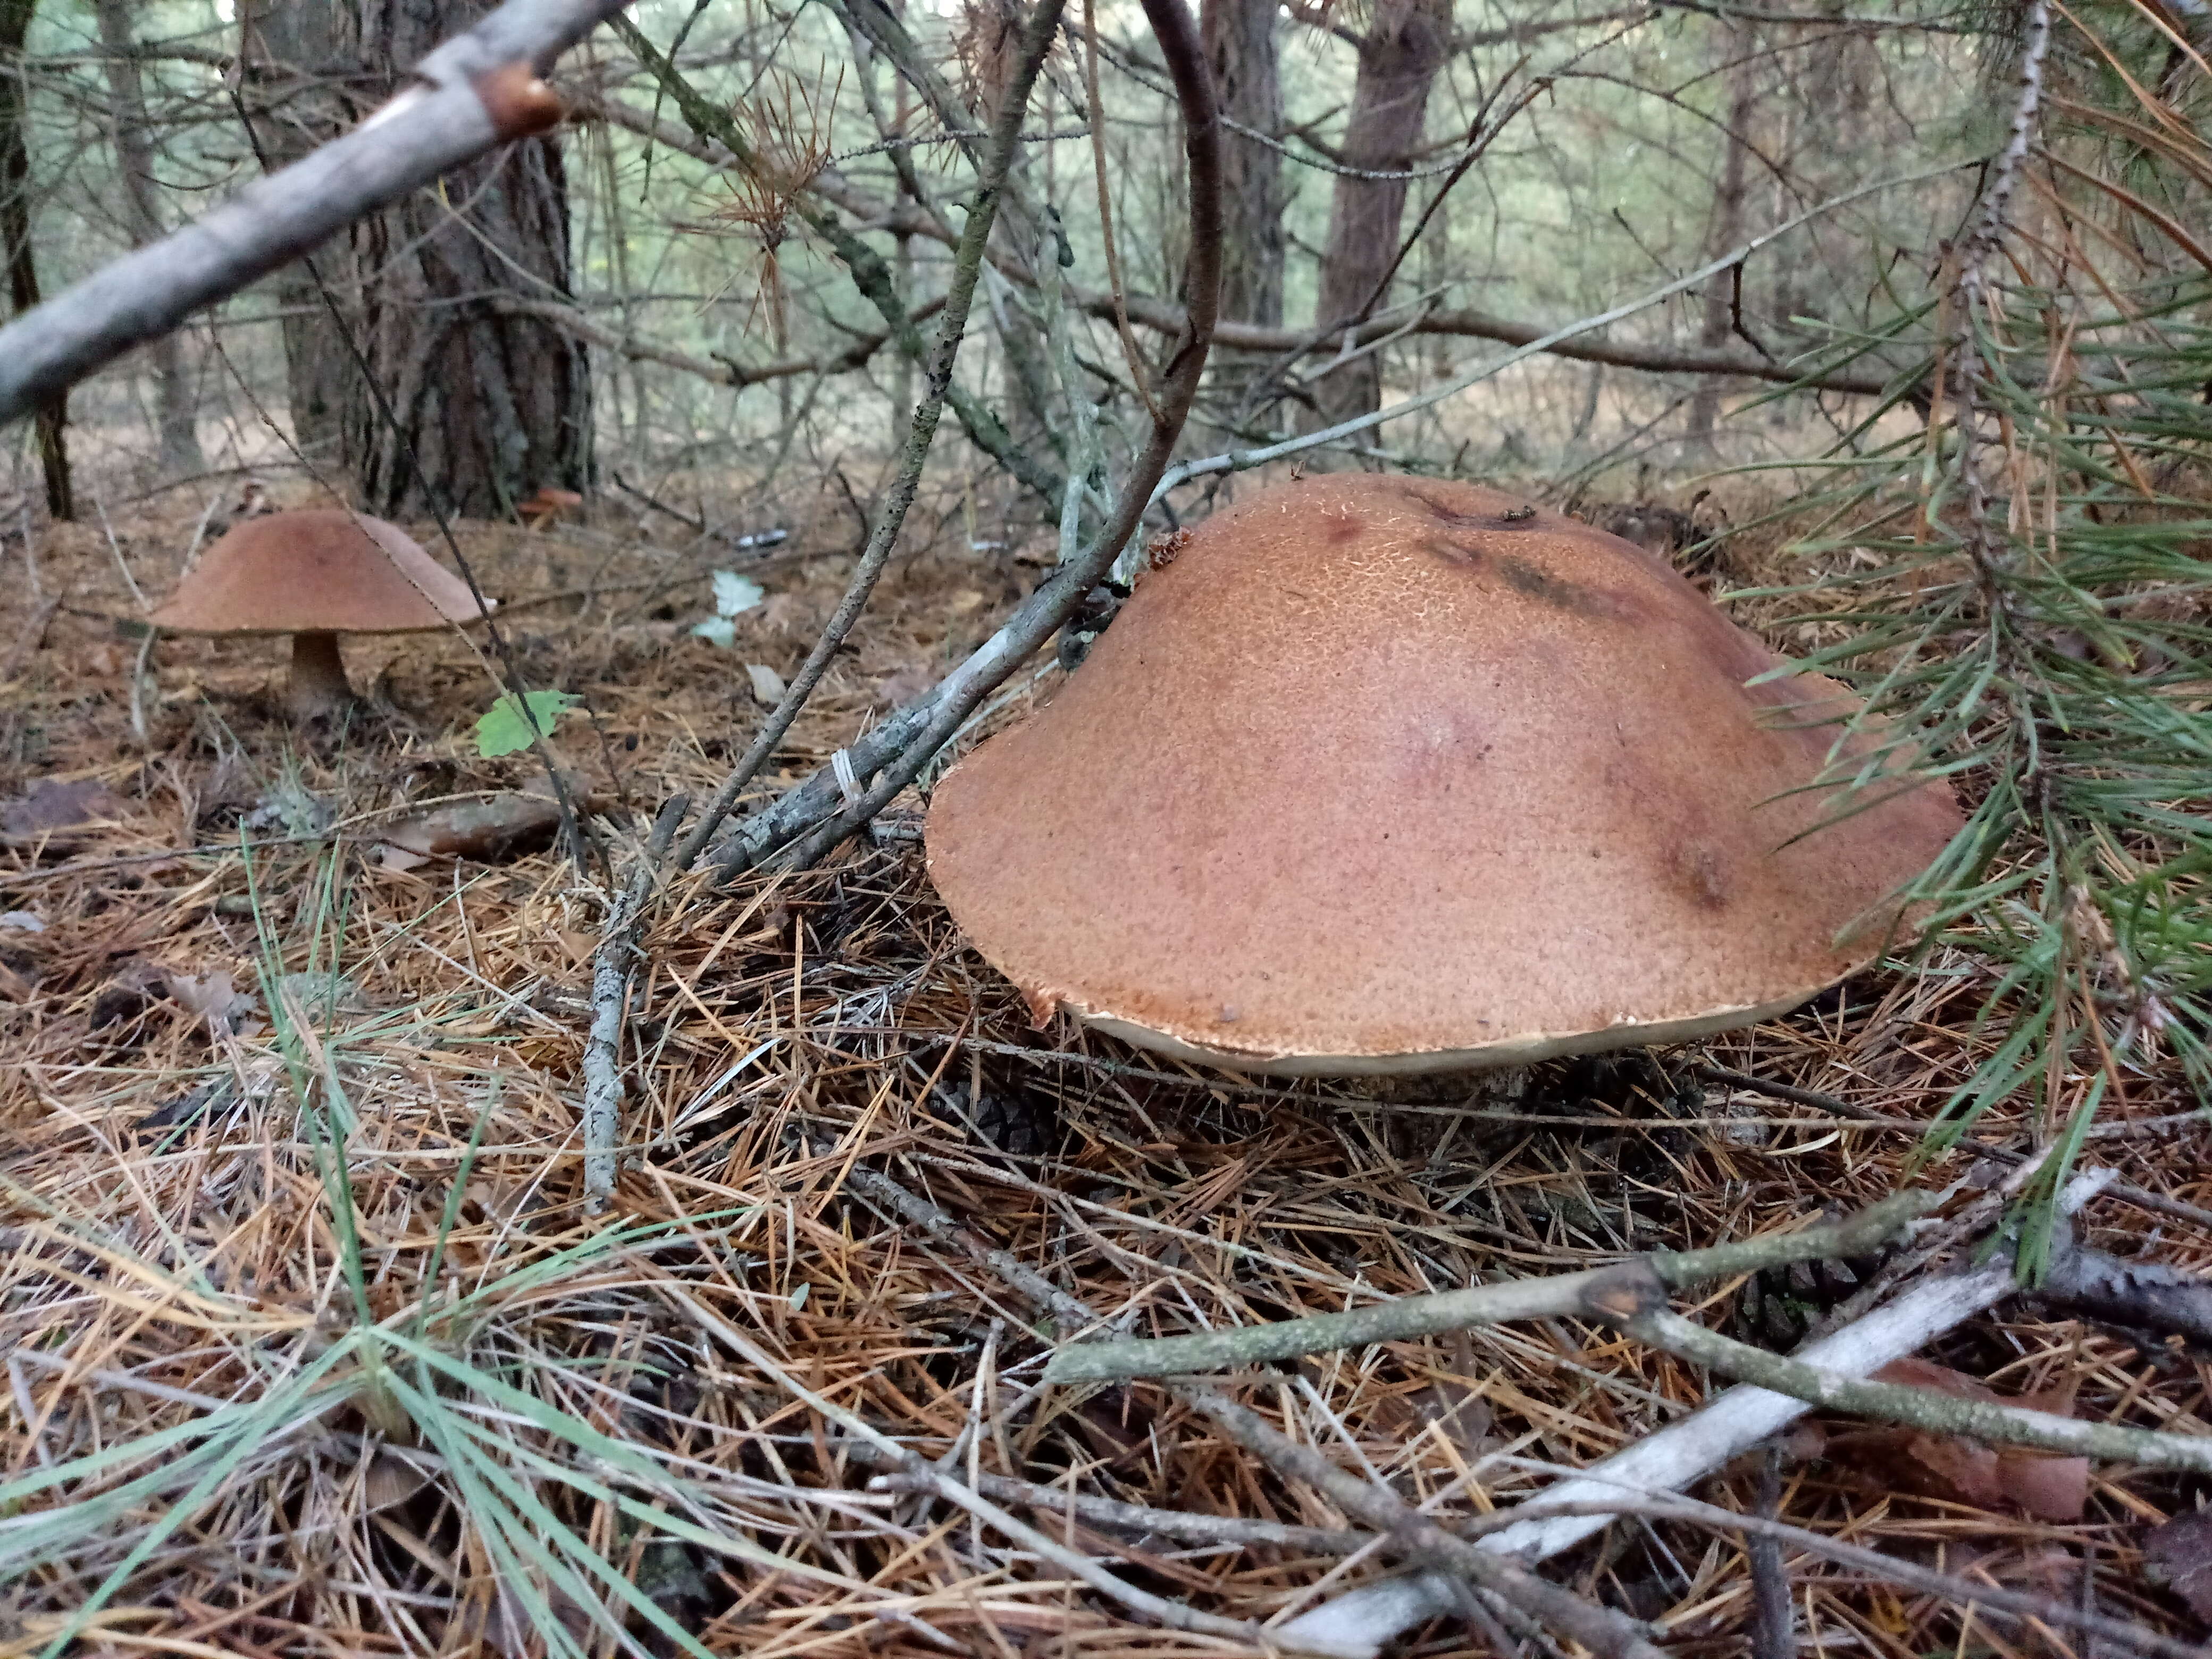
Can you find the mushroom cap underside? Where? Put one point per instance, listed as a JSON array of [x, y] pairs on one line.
[[1388, 774], [317, 571]]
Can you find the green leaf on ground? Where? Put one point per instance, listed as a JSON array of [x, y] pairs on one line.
[[508, 724]]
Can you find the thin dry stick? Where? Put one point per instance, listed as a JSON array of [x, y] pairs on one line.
[[1601, 1630], [1177, 31], [1774, 1619], [1581, 1294], [1920, 1409], [1096, 111], [610, 964], [2011, 1604], [1186, 1524]]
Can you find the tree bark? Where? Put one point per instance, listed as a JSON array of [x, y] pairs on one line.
[[1400, 58], [175, 403], [1727, 220], [494, 406], [53, 416], [1241, 48], [290, 59]]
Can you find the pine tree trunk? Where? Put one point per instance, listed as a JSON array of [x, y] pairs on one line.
[[1400, 58], [1240, 44], [175, 402], [1726, 230], [53, 416], [493, 407], [292, 84]]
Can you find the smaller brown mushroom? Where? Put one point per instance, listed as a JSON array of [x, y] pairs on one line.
[[547, 504], [316, 575]]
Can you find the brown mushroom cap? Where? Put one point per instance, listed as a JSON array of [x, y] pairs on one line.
[[322, 571], [1387, 774]]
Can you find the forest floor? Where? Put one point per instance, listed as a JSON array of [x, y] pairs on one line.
[[216, 965]]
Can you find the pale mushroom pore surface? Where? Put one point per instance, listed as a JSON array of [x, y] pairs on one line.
[[1389, 774]]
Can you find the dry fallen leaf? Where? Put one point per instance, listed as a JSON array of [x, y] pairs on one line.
[[1953, 1469], [502, 826], [2178, 1555], [390, 1481], [214, 998], [44, 814], [768, 684]]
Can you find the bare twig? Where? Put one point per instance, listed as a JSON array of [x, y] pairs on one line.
[[1581, 1294], [611, 966], [1601, 1630], [1175, 1615], [1139, 376], [941, 713], [722, 370], [1774, 1624], [1185, 1524], [478, 89], [1920, 1408], [937, 374]]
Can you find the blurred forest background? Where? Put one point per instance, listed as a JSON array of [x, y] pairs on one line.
[[1451, 177]]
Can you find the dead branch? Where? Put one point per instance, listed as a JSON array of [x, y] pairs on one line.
[[1601, 1630], [896, 751], [724, 371], [1582, 1295], [478, 89], [1920, 1409]]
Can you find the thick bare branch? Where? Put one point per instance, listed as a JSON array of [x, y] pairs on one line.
[[1562, 1295], [478, 89]]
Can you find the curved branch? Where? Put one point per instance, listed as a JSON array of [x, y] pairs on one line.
[[933, 723]]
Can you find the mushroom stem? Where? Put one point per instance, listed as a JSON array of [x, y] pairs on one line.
[[318, 685]]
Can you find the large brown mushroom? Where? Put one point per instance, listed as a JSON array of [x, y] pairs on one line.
[[1385, 774], [316, 575]]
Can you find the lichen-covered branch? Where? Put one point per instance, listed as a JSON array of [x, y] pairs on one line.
[[1920, 1409], [1582, 1295]]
